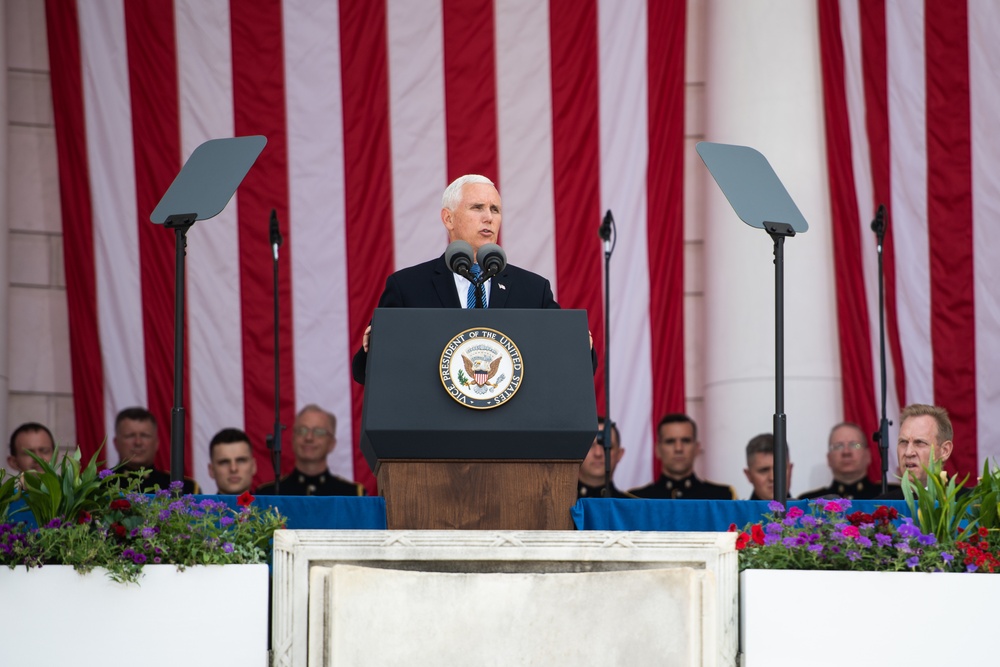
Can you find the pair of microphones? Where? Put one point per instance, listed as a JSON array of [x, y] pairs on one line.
[[459, 258]]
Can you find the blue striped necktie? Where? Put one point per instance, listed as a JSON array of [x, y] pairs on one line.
[[470, 300]]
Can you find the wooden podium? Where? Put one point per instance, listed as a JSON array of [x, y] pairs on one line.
[[499, 460]]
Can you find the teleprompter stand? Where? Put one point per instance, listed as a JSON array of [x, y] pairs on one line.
[[760, 200], [200, 191]]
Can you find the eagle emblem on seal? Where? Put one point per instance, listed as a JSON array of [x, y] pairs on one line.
[[481, 370]]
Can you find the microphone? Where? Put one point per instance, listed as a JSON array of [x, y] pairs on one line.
[[276, 239], [605, 231], [493, 260], [878, 224], [458, 257]]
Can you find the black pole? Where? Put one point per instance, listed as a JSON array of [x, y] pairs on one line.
[[274, 438], [778, 231], [881, 436], [606, 231], [180, 224]]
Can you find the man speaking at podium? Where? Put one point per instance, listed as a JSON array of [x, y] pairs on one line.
[[470, 211]]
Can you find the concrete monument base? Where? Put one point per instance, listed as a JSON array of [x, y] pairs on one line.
[[504, 598]]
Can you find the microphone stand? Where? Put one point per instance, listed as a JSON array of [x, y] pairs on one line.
[[609, 235], [274, 439], [881, 436]]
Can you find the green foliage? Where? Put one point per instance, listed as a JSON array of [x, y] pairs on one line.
[[91, 519], [940, 508], [8, 493], [62, 488]]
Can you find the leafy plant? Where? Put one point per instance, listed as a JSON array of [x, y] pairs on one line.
[[941, 507], [62, 489], [91, 519], [8, 493]]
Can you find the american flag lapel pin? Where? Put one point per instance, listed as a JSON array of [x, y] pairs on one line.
[[501, 286]]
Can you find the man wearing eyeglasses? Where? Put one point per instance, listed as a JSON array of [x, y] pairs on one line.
[[313, 438], [848, 456]]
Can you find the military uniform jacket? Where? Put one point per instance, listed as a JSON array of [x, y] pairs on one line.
[[585, 491], [300, 484], [159, 478], [690, 488], [860, 490]]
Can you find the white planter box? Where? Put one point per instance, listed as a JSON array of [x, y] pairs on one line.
[[818, 618], [206, 615]]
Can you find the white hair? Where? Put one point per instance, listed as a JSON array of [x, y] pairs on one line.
[[453, 193]]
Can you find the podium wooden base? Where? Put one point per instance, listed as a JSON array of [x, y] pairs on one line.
[[478, 495]]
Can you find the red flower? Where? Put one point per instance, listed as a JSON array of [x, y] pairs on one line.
[[833, 506], [984, 532], [120, 504], [119, 529], [741, 541], [852, 531], [83, 517], [245, 499], [733, 528], [757, 534]]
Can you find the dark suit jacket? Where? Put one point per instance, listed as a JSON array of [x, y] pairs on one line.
[[432, 285]]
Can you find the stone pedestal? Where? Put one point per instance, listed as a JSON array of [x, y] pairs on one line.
[[504, 598]]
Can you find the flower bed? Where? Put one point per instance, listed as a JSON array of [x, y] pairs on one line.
[[87, 519]]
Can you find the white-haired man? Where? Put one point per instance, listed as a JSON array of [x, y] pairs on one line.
[[471, 212]]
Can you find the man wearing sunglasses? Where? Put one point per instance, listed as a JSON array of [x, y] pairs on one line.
[[313, 438], [848, 456]]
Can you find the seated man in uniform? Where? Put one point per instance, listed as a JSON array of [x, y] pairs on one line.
[[760, 467], [848, 456], [313, 438], [591, 481], [677, 447], [136, 441], [231, 463], [27, 439]]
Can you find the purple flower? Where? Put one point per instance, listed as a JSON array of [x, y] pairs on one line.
[[790, 542], [775, 506], [226, 521], [227, 547], [128, 553], [55, 523], [816, 548], [139, 558], [773, 528], [177, 506], [947, 557], [864, 541], [927, 540], [164, 515], [883, 539], [904, 547], [821, 503], [150, 531], [206, 504], [913, 561], [808, 521], [156, 560], [104, 474], [853, 556], [176, 486], [971, 567], [907, 529], [770, 539], [845, 503]]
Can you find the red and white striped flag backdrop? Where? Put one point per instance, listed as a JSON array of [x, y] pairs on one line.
[[370, 108], [912, 99]]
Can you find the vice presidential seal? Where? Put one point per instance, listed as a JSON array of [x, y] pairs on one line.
[[481, 368]]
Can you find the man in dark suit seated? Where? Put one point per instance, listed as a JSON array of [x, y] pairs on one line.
[[136, 441], [677, 447], [313, 438], [591, 480], [848, 456], [925, 431], [471, 212]]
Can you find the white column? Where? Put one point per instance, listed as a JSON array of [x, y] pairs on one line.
[[764, 90], [4, 234]]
